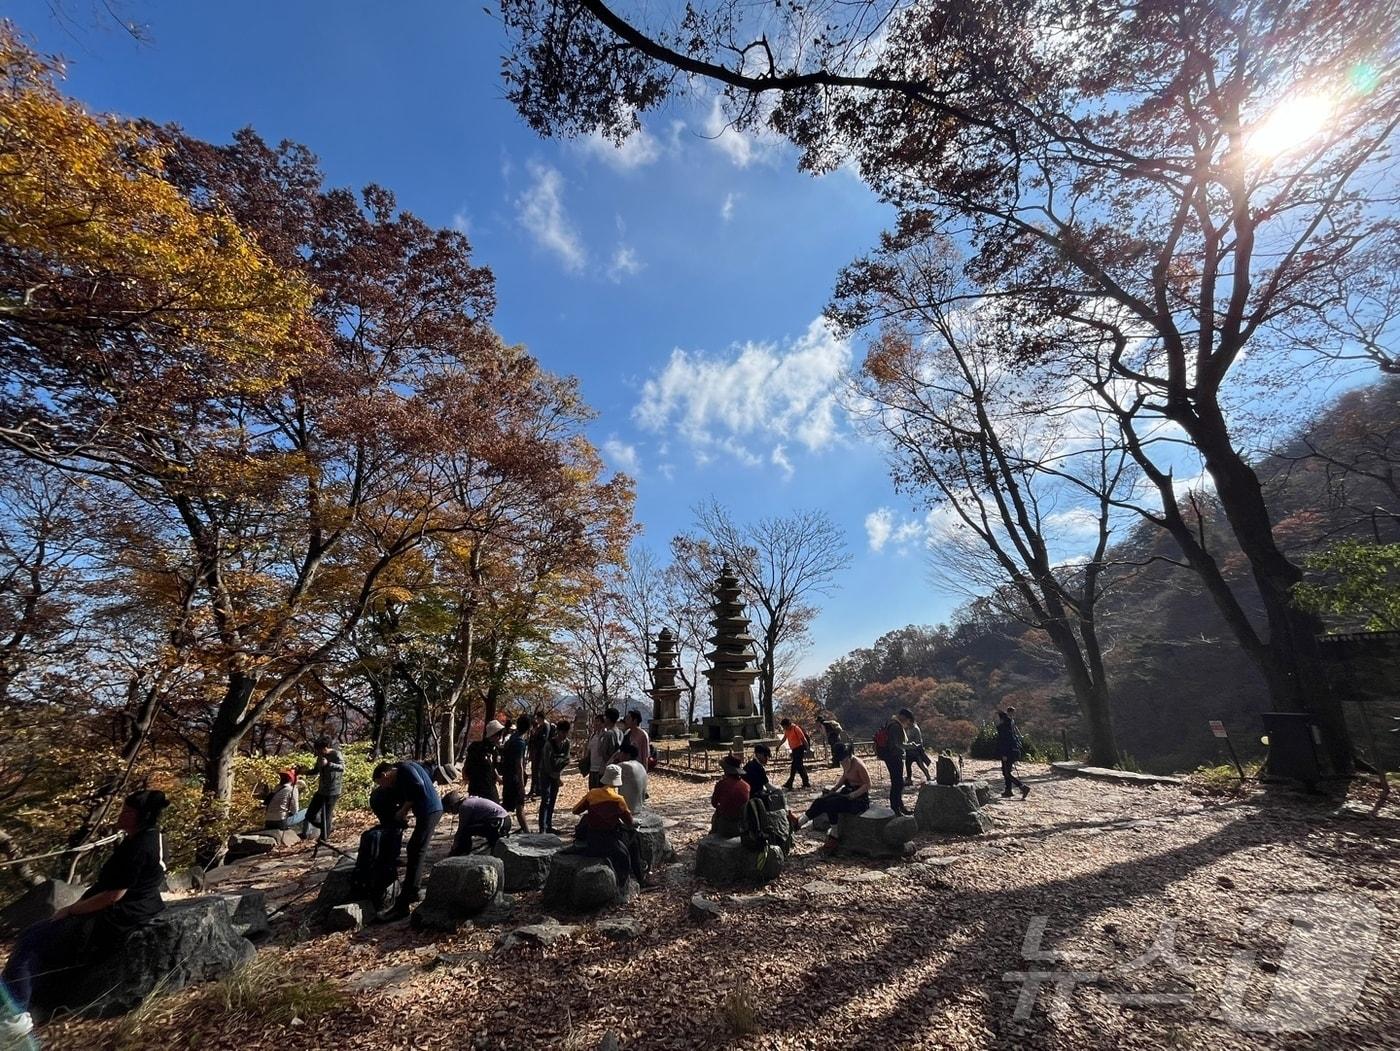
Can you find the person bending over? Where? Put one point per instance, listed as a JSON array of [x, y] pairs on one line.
[[125, 895], [416, 795], [478, 816]]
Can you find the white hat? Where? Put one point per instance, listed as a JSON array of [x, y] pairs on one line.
[[492, 728], [612, 774]]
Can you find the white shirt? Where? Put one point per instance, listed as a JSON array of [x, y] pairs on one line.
[[634, 785]]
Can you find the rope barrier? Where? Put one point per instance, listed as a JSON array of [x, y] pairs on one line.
[[66, 850]]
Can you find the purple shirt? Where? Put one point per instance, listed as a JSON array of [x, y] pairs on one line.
[[476, 810]]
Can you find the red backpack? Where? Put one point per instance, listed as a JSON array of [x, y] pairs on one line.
[[882, 741]]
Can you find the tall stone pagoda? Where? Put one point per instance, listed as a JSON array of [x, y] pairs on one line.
[[732, 668], [665, 695]]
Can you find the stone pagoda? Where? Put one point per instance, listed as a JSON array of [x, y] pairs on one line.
[[732, 671], [665, 694]]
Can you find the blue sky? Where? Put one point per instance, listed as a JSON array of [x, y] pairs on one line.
[[680, 279]]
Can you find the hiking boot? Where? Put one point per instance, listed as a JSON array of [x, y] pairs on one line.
[[400, 911], [1006, 794], [1025, 791]]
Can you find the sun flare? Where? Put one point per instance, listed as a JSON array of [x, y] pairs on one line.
[[1290, 125]]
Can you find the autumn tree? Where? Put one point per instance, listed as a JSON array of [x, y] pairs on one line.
[[1206, 186]]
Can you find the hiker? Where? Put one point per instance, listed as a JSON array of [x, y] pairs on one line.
[[603, 744], [914, 754], [889, 746], [835, 740], [634, 777], [553, 762], [729, 797], [850, 795], [796, 739], [481, 763], [329, 769], [606, 829], [477, 816], [513, 755], [756, 771], [641, 740], [282, 808], [415, 794], [1009, 748], [539, 734], [125, 895]]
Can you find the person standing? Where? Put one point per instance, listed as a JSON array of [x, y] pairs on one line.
[[914, 754], [1009, 748], [553, 762], [796, 740], [539, 734], [891, 750], [835, 741], [481, 763], [640, 739], [513, 755], [415, 794], [329, 769], [602, 746]]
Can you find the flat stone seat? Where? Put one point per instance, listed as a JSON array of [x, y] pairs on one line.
[[1122, 777], [191, 941], [249, 912], [878, 832], [950, 810], [526, 859], [337, 888], [725, 862], [579, 883], [655, 846], [458, 889]]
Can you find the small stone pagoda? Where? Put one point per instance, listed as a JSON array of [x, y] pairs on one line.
[[665, 694], [732, 672]]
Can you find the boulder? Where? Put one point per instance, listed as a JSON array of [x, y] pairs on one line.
[[724, 862], [578, 883], [877, 833], [349, 917], [39, 902], [526, 859], [458, 889], [651, 837], [544, 933], [337, 888], [249, 912], [703, 910], [950, 809], [252, 844], [191, 941], [619, 929], [983, 792]]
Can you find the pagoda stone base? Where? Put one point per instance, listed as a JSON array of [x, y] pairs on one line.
[[723, 729], [662, 729]]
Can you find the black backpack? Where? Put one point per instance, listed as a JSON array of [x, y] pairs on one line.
[[945, 771], [376, 873]]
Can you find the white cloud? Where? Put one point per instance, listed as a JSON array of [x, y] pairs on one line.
[[726, 210], [637, 150], [879, 524], [743, 148], [622, 456], [759, 393], [542, 214], [462, 222], [1077, 521], [780, 459], [624, 264]]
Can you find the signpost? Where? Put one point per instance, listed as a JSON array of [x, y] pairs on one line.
[[1217, 727]]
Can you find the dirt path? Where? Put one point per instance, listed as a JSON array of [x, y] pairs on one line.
[[1143, 904]]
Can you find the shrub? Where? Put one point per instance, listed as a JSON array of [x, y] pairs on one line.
[[984, 745], [251, 771]]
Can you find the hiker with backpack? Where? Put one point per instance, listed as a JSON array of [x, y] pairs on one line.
[[889, 747], [796, 740], [603, 744], [850, 795], [554, 759], [1010, 748], [414, 794]]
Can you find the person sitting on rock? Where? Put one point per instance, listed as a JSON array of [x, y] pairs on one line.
[[481, 763], [729, 798], [607, 830], [553, 762], [125, 895], [634, 777], [479, 817], [415, 794], [756, 771], [850, 795], [282, 809]]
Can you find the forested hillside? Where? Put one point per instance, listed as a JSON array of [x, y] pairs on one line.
[[1172, 662]]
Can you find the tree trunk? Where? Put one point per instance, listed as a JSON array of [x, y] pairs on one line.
[[1091, 692], [225, 736]]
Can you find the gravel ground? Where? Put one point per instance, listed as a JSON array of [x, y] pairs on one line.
[[1145, 917]]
